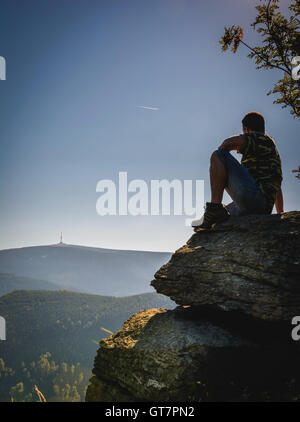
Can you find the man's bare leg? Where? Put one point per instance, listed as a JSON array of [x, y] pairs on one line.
[[218, 176]]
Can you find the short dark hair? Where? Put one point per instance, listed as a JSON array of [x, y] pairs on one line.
[[254, 121]]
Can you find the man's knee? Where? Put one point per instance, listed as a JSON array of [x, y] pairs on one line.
[[221, 154], [214, 156]]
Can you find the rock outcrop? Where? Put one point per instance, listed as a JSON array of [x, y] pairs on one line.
[[249, 263], [237, 287]]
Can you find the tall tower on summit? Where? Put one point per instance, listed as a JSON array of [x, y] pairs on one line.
[[61, 238]]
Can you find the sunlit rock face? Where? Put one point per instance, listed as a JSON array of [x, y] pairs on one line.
[[191, 354]]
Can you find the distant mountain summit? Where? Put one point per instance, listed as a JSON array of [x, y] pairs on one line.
[[87, 269]]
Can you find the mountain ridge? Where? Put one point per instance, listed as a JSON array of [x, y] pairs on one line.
[[10, 282], [87, 269], [83, 247]]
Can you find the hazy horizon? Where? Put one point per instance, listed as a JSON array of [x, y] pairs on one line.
[[84, 246]]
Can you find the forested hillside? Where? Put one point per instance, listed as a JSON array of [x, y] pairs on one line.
[[51, 338]]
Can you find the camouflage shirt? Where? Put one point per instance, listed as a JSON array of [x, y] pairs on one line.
[[261, 158]]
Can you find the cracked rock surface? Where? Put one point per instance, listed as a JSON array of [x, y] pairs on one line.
[[189, 354], [249, 263]]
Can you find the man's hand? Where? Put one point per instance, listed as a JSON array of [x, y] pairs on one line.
[[236, 142], [279, 202]]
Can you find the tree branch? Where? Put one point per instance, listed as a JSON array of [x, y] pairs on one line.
[[266, 60]]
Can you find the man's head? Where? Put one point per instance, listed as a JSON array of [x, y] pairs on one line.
[[253, 122]]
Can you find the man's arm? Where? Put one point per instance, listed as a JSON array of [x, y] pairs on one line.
[[279, 202], [236, 142]]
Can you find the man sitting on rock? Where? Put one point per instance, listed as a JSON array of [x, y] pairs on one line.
[[254, 184]]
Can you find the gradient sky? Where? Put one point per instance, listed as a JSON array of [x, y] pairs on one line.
[[76, 72]]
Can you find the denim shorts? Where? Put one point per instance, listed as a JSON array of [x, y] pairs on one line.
[[241, 186]]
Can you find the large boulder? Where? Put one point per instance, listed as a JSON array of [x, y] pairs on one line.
[[193, 354], [233, 341], [249, 263]]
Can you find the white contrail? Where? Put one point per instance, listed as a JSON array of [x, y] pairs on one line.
[[149, 108]]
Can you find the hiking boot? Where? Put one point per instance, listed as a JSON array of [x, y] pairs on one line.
[[214, 213]]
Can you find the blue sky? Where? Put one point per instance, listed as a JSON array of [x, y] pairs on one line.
[[76, 72]]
